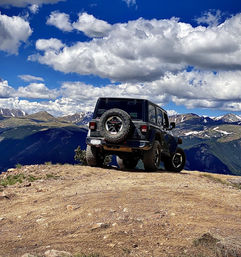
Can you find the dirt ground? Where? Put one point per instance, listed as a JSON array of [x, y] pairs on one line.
[[111, 212]]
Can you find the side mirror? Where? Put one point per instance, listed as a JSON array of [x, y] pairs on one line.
[[172, 125]]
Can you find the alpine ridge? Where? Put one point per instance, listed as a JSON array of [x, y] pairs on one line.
[[211, 144]]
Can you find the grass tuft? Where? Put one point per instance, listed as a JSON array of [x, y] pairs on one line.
[[12, 179], [18, 166], [219, 180], [48, 163], [215, 179], [18, 178], [51, 176]]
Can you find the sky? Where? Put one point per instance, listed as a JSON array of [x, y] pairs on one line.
[[61, 55]]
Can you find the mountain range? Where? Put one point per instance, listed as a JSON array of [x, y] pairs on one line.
[[11, 113], [211, 144]]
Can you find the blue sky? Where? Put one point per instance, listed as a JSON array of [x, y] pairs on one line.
[[60, 56]]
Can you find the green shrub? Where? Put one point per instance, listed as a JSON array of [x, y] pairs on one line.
[[19, 178], [48, 163], [51, 176], [18, 166], [12, 179], [80, 156]]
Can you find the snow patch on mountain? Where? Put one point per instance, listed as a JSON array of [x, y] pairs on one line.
[[222, 131], [12, 112]]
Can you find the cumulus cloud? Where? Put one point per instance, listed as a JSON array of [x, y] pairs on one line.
[[6, 91], [144, 50], [60, 20], [34, 8], [24, 3], [13, 31], [29, 78], [37, 91], [193, 89], [171, 112], [91, 26], [86, 23], [210, 18], [58, 107], [32, 91], [49, 45]]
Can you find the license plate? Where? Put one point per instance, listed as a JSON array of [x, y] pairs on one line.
[[95, 141]]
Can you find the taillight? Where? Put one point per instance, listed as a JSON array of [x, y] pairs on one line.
[[144, 128], [92, 125]]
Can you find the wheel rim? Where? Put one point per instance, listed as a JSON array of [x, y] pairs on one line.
[[177, 160], [114, 125], [157, 157]]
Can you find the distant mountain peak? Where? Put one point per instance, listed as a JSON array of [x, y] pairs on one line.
[[179, 118], [81, 118], [12, 112], [229, 118], [42, 115]]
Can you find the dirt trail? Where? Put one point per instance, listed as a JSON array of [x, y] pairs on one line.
[[118, 213]]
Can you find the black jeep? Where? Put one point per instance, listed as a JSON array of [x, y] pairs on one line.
[[133, 129]]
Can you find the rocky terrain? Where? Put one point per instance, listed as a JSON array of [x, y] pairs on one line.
[[66, 210]]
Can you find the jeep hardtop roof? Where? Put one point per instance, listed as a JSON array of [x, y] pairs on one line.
[[105, 99]]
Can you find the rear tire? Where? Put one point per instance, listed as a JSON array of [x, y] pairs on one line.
[[126, 163], [93, 157], [176, 162], [152, 157]]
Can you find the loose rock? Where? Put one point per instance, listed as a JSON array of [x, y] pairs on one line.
[[100, 225], [55, 253], [28, 255]]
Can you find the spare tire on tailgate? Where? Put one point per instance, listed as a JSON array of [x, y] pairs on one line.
[[115, 125]]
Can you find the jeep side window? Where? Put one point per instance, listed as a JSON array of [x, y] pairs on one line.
[[166, 122], [159, 117], [151, 113]]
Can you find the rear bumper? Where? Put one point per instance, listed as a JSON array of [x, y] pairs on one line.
[[127, 146]]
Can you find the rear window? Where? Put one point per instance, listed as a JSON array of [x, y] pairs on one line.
[[133, 107]]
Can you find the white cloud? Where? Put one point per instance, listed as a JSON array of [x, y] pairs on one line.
[[49, 45], [6, 91], [171, 112], [130, 2], [29, 78], [86, 23], [24, 3], [59, 107], [222, 86], [192, 89], [210, 18], [32, 91], [60, 20], [91, 26], [144, 50], [13, 31], [34, 8], [37, 91]]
